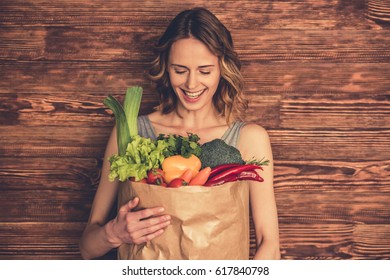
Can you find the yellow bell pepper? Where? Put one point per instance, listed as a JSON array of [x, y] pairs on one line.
[[175, 166]]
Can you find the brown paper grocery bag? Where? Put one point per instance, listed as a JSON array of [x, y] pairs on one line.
[[208, 223]]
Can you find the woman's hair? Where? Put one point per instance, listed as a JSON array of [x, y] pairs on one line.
[[204, 26]]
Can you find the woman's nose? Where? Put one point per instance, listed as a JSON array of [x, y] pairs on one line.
[[191, 81]]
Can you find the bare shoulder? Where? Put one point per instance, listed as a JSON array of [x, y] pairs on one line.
[[254, 141], [252, 129], [252, 133], [157, 117]]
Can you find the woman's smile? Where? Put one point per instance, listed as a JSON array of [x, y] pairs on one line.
[[193, 96]]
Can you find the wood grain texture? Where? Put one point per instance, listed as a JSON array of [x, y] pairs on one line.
[[317, 74]]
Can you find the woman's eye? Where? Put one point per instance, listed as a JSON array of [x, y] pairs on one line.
[[179, 72], [204, 72]]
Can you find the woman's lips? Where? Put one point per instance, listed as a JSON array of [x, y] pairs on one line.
[[193, 94]]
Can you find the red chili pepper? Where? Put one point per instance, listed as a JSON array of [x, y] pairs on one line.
[[250, 175], [222, 167], [224, 180], [234, 171]]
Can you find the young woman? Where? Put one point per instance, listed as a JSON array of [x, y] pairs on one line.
[[198, 79]]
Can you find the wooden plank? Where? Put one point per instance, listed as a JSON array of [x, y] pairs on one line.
[[316, 241], [56, 77], [35, 174], [46, 206], [127, 43], [319, 45], [41, 232], [40, 240], [371, 241], [330, 145], [348, 206], [243, 14], [321, 78], [335, 192], [334, 241], [119, 43], [332, 174], [339, 111], [47, 141]]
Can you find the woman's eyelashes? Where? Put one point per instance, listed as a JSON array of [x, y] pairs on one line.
[[181, 72]]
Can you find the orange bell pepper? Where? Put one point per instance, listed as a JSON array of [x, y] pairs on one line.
[[175, 166]]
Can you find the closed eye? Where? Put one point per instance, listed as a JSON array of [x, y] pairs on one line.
[[179, 72]]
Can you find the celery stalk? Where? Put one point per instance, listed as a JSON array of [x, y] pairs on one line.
[[122, 128], [131, 106]]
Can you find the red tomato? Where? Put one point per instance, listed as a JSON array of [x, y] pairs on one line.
[[155, 176], [178, 182]]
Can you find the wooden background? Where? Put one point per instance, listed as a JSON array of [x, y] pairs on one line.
[[317, 74]]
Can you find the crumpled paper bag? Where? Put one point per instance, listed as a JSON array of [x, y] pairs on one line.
[[207, 223]]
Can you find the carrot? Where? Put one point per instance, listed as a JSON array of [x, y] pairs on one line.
[[201, 178], [188, 175]]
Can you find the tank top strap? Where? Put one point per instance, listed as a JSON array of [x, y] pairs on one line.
[[145, 128], [233, 133]]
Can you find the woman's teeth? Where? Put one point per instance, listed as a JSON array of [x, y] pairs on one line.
[[194, 94]]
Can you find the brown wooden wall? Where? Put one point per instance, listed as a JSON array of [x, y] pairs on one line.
[[317, 74]]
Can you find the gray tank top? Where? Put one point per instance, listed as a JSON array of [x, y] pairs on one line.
[[145, 129]]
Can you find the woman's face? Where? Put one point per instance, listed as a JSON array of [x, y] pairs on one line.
[[194, 73]]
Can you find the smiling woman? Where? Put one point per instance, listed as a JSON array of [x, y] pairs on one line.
[[198, 79]]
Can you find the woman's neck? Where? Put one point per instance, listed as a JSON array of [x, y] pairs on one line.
[[196, 119]]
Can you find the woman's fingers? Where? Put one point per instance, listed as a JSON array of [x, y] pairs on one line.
[[148, 212], [130, 205], [147, 220], [150, 232]]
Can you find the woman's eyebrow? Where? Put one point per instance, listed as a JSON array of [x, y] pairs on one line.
[[206, 66]]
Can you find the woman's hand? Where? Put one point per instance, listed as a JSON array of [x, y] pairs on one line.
[[136, 227]]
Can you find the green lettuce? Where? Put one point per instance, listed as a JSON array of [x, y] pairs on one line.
[[142, 154]]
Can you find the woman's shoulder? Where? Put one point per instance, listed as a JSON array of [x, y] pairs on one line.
[[251, 129], [253, 140], [155, 116]]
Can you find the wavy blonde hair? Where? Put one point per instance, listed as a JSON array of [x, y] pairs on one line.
[[201, 24]]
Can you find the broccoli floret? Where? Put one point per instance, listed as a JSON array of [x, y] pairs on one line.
[[217, 152]]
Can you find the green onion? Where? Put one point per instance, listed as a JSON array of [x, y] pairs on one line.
[[125, 117], [132, 104]]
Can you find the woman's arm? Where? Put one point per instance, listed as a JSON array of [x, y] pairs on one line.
[[254, 143], [96, 240], [101, 235]]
